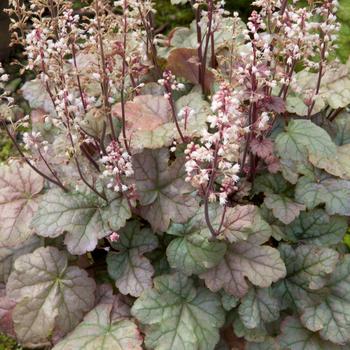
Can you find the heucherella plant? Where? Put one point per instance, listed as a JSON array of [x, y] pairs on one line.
[[178, 191]]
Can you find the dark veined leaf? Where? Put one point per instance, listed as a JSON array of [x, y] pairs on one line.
[[178, 315], [51, 297], [261, 265], [307, 269], [83, 215], [337, 164], [132, 271], [295, 336], [20, 187], [257, 307], [334, 193], [330, 315], [268, 344], [104, 329], [283, 208], [163, 192], [192, 252], [9, 255], [317, 227], [301, 138]]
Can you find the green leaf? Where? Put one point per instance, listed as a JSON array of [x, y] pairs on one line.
[[334, 89], [271, 183], [331, 316], [51, 297], [261, 265], [334, 193], [295, 337], [103, 329], [257, 334], [150, 124], [240, 222], [307, 269], [337, 164], [267, 344], [132, 271], [193, 252], [9, 255], [283, 208], [257, 307], [302, 137], [178, 315], [317, 227], [228, 301], [19, 194], [163, 192], [342, 125], [84, 216]]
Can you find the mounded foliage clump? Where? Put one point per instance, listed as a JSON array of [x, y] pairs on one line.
[[179, 192]]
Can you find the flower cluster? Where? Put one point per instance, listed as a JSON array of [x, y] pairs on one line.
[[212, 167], [170, 83], [34, 141], [117, 167]]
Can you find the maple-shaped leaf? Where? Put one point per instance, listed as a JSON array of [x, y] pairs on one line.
[[193, 252], [278, 197], [183, 62], [9, 255], [145, 112], [83, 215], [6, 308], [303, 137], [334, 89], [294, 336], [51, 296], [262, 148], [260, 264], [330, 314], [283, 208], [307, 270], [132, 271], [179, 316], [150, 124], [20, 187], [317, 227], [315, 190], [163, 192], [268, 343], [257, 307], [104, 329], [337, 164], [257, 334], [240, 222]]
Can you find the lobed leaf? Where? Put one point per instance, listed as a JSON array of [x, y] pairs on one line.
[[20, 187], [334, 193], [178, 315], [84, 216], [317, 227], [257, 307], [295, 337], [261, 265], [163, 192], [103, 329], [51, 297], [302, 137], [132, 271]]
